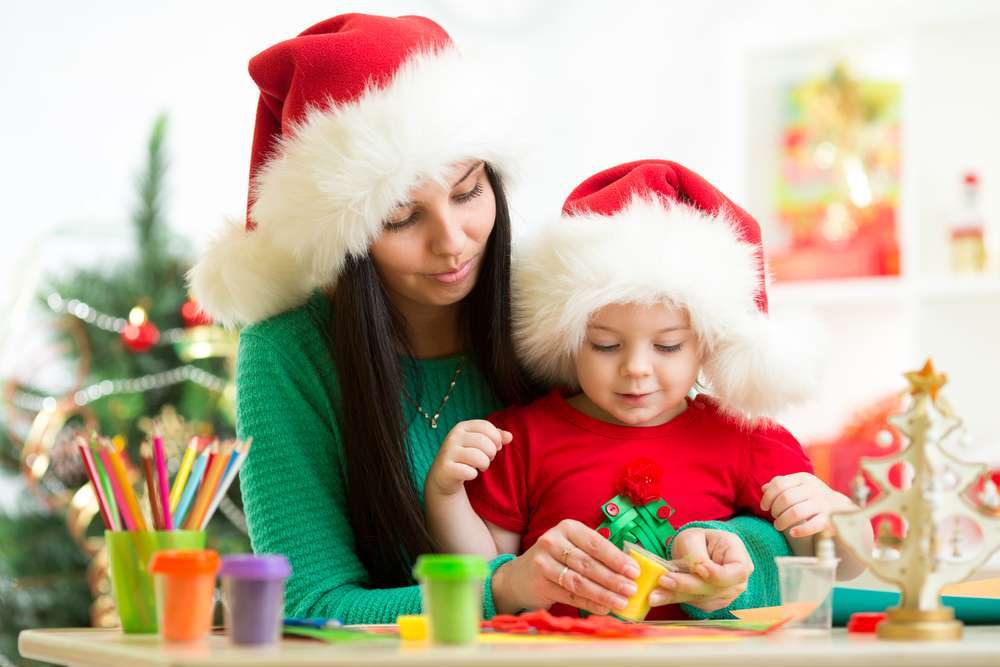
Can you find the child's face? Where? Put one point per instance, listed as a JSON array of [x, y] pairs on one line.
[[638, 363]]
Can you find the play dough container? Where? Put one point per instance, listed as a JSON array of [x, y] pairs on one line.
[[185, 592], [651, 568], [452, 589], [129, 553], [253, 597]]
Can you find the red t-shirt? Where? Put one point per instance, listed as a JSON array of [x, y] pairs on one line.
[[562, 464]]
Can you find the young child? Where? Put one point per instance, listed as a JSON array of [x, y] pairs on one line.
[[648, 290]]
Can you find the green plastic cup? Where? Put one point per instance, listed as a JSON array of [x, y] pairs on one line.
[[132, 587], [452, 590]]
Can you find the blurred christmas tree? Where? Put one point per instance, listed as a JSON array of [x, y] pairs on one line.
[[139, 351]]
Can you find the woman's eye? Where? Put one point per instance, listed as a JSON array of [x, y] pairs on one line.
[[668, 348], [471, 194], [401, 224]]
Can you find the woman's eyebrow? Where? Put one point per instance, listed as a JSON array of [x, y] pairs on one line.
[[466, 174]]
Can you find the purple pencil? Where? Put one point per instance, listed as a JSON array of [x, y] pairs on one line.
[[161, 474]]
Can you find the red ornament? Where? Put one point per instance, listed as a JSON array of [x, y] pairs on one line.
[[639, 481], [193, 315], [139, 338], [604, 532], [612, 509], [663, 512]]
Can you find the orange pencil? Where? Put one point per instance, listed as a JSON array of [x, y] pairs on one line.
[[119, 471], [146, 456], [207, 490]]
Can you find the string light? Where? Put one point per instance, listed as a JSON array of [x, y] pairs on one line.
[[86, 313], [105, 388]]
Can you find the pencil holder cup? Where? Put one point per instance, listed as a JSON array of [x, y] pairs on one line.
[[129, 553]]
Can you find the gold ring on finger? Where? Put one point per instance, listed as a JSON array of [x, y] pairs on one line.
[[562, 575]]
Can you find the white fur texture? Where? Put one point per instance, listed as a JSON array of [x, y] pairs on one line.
[[654, 252], [332, 182]]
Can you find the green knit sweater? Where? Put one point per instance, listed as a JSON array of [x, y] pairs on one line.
[[294, 492]]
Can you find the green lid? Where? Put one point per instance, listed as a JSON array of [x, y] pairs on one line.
[[450, 566]]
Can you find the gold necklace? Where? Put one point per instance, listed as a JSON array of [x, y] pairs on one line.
[[434, 420]]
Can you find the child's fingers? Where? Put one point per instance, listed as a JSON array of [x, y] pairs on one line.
[[810, 527], [505, 437], [487, 429], [775, 488], [687, 585], [460, 471], [796, 514], [473, 457], [480, 442], [786, 499]]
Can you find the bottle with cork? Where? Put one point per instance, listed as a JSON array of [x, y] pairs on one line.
[[967, 242]]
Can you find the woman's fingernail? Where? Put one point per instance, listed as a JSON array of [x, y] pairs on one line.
[[632, 570], [628, 588], [619, 602], [656, 599], [667, 582]]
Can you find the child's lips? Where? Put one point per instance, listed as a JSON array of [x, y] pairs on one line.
[[635, 398]]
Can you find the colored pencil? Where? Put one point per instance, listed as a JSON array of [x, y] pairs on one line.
[[123, 507], [191, 488], [95, 482], [182, 473], [163, 484], [239, 456], [118, 468], [208, 487], [146, 456], [109, 493]]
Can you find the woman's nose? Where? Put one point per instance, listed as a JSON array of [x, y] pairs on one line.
[[448, 236]]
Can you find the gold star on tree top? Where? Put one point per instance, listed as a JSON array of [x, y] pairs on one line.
[[926, 380]]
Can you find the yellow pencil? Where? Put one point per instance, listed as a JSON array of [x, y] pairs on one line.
[[208, 486], [182, 474], [119, 471]]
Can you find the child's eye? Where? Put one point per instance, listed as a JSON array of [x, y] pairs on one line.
[[668, 348], [471, 194], [604, 348]]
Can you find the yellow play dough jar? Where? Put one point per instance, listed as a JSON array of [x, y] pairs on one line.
[[651, 568]]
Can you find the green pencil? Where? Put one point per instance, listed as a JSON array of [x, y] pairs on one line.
[[108, 492]]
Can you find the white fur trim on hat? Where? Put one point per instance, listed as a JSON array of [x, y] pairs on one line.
[[332, 182], [651, 252]]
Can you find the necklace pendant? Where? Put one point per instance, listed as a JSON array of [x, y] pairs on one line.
[[434, 423]]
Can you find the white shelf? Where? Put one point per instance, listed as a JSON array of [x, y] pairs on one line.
[[888, 290]]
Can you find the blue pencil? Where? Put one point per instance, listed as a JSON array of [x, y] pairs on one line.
[[194, 480]]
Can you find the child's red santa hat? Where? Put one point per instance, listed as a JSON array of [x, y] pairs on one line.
[[654, 231], [353, 113]]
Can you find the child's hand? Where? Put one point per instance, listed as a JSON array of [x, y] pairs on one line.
[[468, 449], [720, 570], [801, 502]]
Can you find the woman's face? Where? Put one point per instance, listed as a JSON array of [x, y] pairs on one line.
[[432, 247]]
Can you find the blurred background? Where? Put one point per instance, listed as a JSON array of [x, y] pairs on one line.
[[862, 135]]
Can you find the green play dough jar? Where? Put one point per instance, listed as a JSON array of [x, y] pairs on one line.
[[452, 588]]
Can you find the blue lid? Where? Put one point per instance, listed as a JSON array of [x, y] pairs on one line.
[[250, 566]]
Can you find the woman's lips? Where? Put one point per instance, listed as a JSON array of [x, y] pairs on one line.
[[458, 275]]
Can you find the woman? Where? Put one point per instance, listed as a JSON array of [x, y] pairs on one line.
[[373, 277]]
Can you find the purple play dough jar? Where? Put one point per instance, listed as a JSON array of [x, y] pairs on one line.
[[253, 596]]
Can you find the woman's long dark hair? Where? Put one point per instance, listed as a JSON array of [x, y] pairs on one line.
[[368, 334]]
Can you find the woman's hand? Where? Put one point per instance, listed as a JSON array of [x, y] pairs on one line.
[[572, 564], [468, 450], [720, 570]]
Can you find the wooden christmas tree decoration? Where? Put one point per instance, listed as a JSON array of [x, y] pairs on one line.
[[925, 559]]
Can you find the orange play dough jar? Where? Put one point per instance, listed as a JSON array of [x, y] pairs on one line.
[[185, 592]]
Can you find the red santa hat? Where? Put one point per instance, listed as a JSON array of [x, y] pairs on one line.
[[353, 113], [653, 231]]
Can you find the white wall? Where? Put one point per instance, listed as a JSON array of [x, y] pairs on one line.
[[610, 82]]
